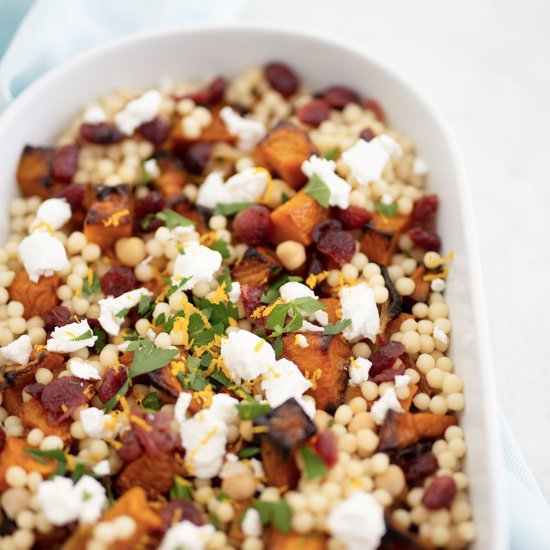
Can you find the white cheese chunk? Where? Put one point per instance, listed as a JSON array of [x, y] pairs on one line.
[[83, 370], [326, 171], [251, 524], [111, 310], [93, 422], [248, 131], [186, 536], [293, 290], [359, 306], [381, 407], [359, 371], [420, 168], [198, 263], [54, 213], [402, 380], [182, 404], [102, 468], [42, 254], [94, 115], [358, 522], [301, 341], [223, 408], [92, 499], [151, 168], [440, 336], [18, 351], [66, 339], [234, 294], [138, 111], [246, 355], [282, 381]]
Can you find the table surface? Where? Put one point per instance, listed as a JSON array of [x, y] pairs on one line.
[[485, 65]]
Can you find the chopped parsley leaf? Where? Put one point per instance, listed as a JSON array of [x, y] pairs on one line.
[[318, 189]]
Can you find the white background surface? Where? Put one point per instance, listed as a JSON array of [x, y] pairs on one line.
[[485, 64]]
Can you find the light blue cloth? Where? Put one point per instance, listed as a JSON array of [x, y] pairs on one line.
[[55, 30]]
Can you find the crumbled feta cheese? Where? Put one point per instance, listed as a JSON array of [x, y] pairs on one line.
[[223, 408], [102, 468], [182, 404], [94, 115], [440, 336], [42, 254], [386, 199], [402, 380], [111, 310], [420, 168], [246, 355], [359, 371], [138, 111], [358, 522], [282, 381], [234, 294], [301, 341], [367, 159], [248, 131], [93, 421], [246, 186], [18, 351], [293, 290], [251, 524], [186, 536], [326, 170], [359, 306], [66, 339], [198, 263], [381, 407], [438, 285], [55, 213], [151, 168], [84, 370], [63, 502]]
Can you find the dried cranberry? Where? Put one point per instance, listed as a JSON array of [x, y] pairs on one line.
[[179, 510], [117, 281], [2, 439], [353, 217], [73, 194], [65, 162], [339, 96], [420, 467], [322, 227], [282, 78], [145, 208], [367, 134], [212, 94], [425, 239], [155, 131], [113, 380], [439, 493], [425, 210], [160, 437], [102, 133], [339, 246], [196, 157], [385, 357], [388, 375], [374, 106], [62, 396], [57, 316], [253, 225], [326, 446], [131, 449], [35, 390], [251, 296], [314, 112]]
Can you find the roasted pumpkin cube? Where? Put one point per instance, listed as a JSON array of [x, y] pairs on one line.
[[172, 175], [284, 149], [280, 469], [422, 288], [109, 218], [295, 219], [327, 359], [333, 309], [402, 429], [33, 171], [277, 540], [258, 266], [36, 297], [381, 236], [33, 416]]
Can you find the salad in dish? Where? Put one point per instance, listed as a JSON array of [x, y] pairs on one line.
[[223, 325]]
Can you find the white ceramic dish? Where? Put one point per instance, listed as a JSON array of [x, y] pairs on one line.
[[43, 110]]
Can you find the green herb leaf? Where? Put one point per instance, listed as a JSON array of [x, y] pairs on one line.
[[318, 189], [87, 289], [251, 409], [278, 315], [337, 327], [389, 210], [181, 489], [145, 306], [111, 404], [173, 219], [225, 277], [313, 463], [101, 339], [222, 496], [221, 247], [78, 471], [229, 209], [122, 313], [248, 452], [308, 305], [148, 358], [331, 154], [277, 514], [84, 336], [278, 346], [152, 401], [214, 519], [56, 454]]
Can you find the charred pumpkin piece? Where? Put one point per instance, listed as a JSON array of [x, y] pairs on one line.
[[192, 212], [326, 358], [172, 175], [257, 267], [395, 539], [276, 540], [392, 307], [14, 455], [166, 382], [284, 149], [33, 171], [33, 416], [402, 429], [296, 219], [280, 470], [14, 378], [153, 474], [333, 309], [422, 288], [109, 218], [36, 297], [381, 235], [407, 402]]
